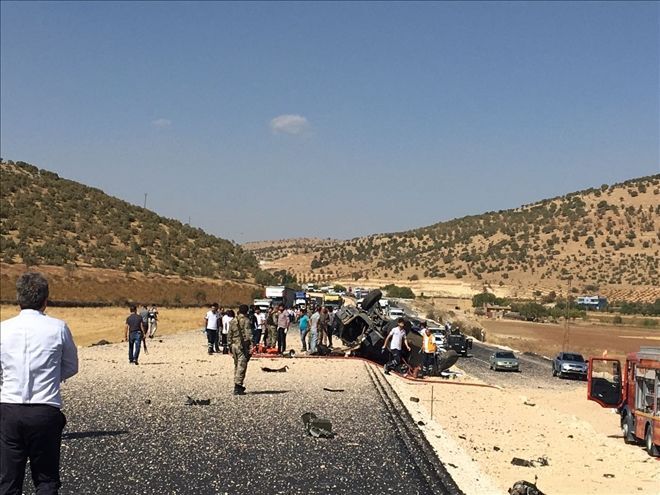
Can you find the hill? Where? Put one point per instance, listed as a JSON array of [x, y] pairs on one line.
[[605, 239], [48, 220]]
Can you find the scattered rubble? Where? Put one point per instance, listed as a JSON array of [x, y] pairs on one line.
[[333, 389], [283, 369], [317, 427], [197, 402], [102, 342], [523, 487]]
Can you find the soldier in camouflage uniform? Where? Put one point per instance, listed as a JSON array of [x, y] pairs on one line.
[[272, 327], [240, 339]]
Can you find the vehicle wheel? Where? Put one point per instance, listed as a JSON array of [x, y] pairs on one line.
[[370, 299], [628, 429], [554, 371], [651, 448]]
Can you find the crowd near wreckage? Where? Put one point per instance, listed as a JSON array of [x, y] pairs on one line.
[[364, 330]]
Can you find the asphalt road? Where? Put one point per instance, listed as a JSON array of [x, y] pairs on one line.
[[535, 371], [129, 430]]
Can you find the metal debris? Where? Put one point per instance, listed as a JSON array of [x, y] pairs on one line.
[[317, 427], [197, 402], [523, 487]]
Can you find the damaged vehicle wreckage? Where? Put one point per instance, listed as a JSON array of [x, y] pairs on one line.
[[365, 329]]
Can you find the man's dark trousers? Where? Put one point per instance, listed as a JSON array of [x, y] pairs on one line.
[[396, 360], [134, 341], [212, 338], [31, 431], [281, 340]]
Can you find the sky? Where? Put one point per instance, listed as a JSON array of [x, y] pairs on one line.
[[276, 120]]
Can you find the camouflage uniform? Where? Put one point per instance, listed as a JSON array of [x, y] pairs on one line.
[[272, 329], [240, 337]]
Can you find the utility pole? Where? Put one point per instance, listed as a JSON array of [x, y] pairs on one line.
[[567, 312], [145, 201]]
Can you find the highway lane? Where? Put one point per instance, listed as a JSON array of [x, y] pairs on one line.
[[535, 371]]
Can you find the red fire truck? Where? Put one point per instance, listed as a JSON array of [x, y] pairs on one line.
[[635, 393]]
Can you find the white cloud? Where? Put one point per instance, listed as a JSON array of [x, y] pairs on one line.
[[289, 124], [161, 123]]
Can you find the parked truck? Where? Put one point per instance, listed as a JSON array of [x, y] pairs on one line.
[[634, 391], [333, 301], [278, 294]]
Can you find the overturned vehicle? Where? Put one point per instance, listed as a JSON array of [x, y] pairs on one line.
[[365, 329]]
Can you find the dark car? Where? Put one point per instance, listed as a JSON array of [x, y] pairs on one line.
[[569, 364]]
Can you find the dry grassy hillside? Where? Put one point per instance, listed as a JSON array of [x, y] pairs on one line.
[[605, 239], [47, 220], [271, 250]]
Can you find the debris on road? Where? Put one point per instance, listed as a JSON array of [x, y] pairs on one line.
[[333, 389], [523, 487], [283, 369], [517, 461], [197, 402], [608, 475], [317, 427], [414, 399], [101, 342], [541, 461], [527, 403]]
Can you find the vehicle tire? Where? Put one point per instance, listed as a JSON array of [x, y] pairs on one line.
[[370, 299], [628, 429], [554, 371], [652, 449]]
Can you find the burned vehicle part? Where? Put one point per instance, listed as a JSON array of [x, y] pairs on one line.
[[365, 331]]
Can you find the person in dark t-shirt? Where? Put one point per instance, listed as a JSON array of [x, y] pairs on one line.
[[135, 329]]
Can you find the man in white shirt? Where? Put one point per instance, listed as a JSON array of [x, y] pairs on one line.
[[396, 339], [211, 322], [37, 352], [260, 325], [226, 319]]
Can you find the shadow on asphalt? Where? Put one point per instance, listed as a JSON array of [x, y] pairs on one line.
[[268, 392], [92, 434]]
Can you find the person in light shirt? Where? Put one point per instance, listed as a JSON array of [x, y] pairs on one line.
[[37, 352], [396, 340], [259, 325], [226, 320], [211, 322]]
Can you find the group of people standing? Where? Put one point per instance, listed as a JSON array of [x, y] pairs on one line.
[[317, 329]]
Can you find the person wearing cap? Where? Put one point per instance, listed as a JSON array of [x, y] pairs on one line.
[[37, 353], [239, 336]]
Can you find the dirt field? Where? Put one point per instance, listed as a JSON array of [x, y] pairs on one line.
[[116, 287], [483, 429], [89, 325], [591, 340]]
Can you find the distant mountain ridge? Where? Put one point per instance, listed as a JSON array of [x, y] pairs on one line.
[[45, 219], [600, 237]]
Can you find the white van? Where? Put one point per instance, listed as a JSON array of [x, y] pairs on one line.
[[396, 313]]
